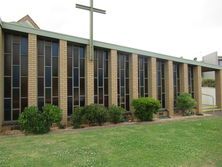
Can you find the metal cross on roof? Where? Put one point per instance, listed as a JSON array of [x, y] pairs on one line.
[[91, 9]]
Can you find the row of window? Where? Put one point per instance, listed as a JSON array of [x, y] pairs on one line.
[[16, 76]]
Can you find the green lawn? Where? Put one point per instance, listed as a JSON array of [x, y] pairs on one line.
[[179, 143]]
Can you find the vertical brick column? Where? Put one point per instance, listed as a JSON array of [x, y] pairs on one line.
[[113, 77], [1, 79], [218, 78], [197, 88], [184, 78], [152, 77], [63, 79], [89, 74], [169, 87], [133, 63], [32, 70]]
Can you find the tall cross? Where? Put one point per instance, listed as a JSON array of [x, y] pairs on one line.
[[91, 9]]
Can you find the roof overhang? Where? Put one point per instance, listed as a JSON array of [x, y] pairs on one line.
[[40, 32]]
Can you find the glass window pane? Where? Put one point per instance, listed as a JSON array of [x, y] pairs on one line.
[[47, 55], [24, 46], [55, 101], [69, 67], [82, 101], [76, 76], [40, 47], [69, 86], [24, 87], [16, 98], [40, 103], [40, 86], [7, 87], [15, 114], [55, 86], [82, 86], [24, 66], [100, 77], [106, 87], [76, 57], [82, 67], [55, 49], [55, 66], [76, 96], [7, 111], [40, 66], [7, 43], [7, 64], [70, 106], [48, 95], [16, 54], [15, 76], [82, 54], [24, 103], [48, 76], [69, 51], [106, 101]]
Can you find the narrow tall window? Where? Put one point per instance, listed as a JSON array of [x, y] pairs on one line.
[[15, 75], [48, 57], [123, 81], [76, 77], [101, 77], [161, 82], [176, 81], [191, 80], [143, 76]]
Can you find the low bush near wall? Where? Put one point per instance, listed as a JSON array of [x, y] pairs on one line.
[[115, 114], [145, 107], [185, 103], [34, 121]]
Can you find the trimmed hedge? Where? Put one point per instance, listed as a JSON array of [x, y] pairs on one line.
[[115, 114], [145, 107]]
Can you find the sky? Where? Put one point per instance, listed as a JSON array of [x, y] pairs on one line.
[[181, 28]]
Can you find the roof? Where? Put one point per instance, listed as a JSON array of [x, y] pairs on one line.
[[28, 21], [40, 32]]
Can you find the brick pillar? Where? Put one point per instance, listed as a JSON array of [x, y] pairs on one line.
[[113, 77], [32, 70], [152, 77], [218, 79], [63, 79], [1, 79], [169, 87], [89, 74], [197, 88], [133, 63], [184, 78]]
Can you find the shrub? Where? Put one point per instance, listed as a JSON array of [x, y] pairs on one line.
[[34, 121], [145, 107], [95, 113], [115, 114], [208, 83], [77, 117], [186, 103], [55, 113]]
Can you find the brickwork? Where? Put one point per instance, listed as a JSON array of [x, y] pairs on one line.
[[32, 70], [113, 77], [152, 77], [89, 78], [184, 78], [1, 79], [63, 79], [133, 63], [197, 88], [218, 78], [169, 87]]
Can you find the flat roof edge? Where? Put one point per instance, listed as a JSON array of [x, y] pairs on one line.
[[40, 32]]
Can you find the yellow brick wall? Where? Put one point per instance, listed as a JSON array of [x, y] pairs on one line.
[[184, 78], [63, 79], [197, 88], [1, 79], [89, 74], [169, 87], [218, 77], [32, 70], [113, 77], [152, 77], [133, 63]]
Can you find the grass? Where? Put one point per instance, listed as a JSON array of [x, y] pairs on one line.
[[196, 142]]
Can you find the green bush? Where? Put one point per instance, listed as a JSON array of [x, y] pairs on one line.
[[77, 117], [185, 103], [115, 114], [145, 107], [54, 112], [208, 83], [95, 113], [34, 121]]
